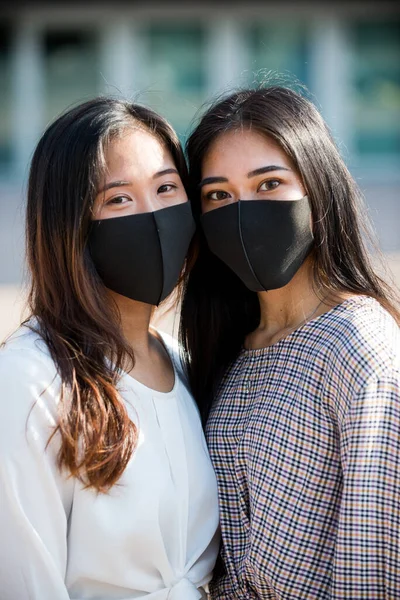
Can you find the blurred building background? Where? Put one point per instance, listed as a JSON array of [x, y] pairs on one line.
[[174, 57]]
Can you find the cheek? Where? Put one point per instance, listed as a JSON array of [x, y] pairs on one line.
[[297, 190], [182, 196], [301, 187]]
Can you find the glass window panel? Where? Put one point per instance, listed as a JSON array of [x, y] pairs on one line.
[[5, 98], [281, 48], [71, 69], [376, 87], [175, 71]]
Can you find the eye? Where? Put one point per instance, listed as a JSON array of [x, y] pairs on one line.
[[269, 185], [218, 195], [166, 187], [118, 200]]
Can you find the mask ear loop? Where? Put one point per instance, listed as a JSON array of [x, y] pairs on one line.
[[239, 202]]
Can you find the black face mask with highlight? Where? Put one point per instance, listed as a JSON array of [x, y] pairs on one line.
[[141, 256], [264, 242]]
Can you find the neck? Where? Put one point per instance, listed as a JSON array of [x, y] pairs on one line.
[[135, 322], [287, 308]]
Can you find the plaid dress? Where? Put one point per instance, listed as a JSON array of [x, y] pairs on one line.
[[305, 440]]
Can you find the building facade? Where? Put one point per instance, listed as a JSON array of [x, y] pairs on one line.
[[177, 57]]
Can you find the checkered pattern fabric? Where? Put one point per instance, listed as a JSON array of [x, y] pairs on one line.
[[305, 440]]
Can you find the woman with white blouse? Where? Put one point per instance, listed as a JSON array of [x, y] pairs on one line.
[[107, 490]]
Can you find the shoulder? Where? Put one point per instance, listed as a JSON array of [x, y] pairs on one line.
[[357, 342], [25, 355], [26, 337], [29, 387], [361, 333]]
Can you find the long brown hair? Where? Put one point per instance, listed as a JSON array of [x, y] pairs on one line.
[[218, 311], [67, 298]]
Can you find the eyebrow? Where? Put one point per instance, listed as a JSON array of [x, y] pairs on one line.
[[120, 183], [254, 173], [165, 172], [113, 184], [267, 169]]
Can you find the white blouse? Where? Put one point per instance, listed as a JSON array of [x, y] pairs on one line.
[[154, 535]]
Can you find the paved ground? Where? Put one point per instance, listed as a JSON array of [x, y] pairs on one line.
[[12, 311]]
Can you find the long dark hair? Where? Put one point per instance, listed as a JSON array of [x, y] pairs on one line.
[[67, 297], [217, 310]]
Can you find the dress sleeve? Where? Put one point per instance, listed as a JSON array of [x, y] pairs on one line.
[[35, 498], [367, 557]]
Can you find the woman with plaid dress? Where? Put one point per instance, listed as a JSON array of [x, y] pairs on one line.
[[293, 350]]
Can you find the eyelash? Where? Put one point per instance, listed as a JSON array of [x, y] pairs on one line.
[[171, 186], [278, 181], [113, 200], [168, 185], [209, 194]]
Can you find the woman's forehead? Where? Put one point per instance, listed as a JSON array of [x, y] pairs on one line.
[[137, 150], [246, 148]]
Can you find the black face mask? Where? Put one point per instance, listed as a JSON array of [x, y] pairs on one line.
[[141, 256], [263, 241]]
